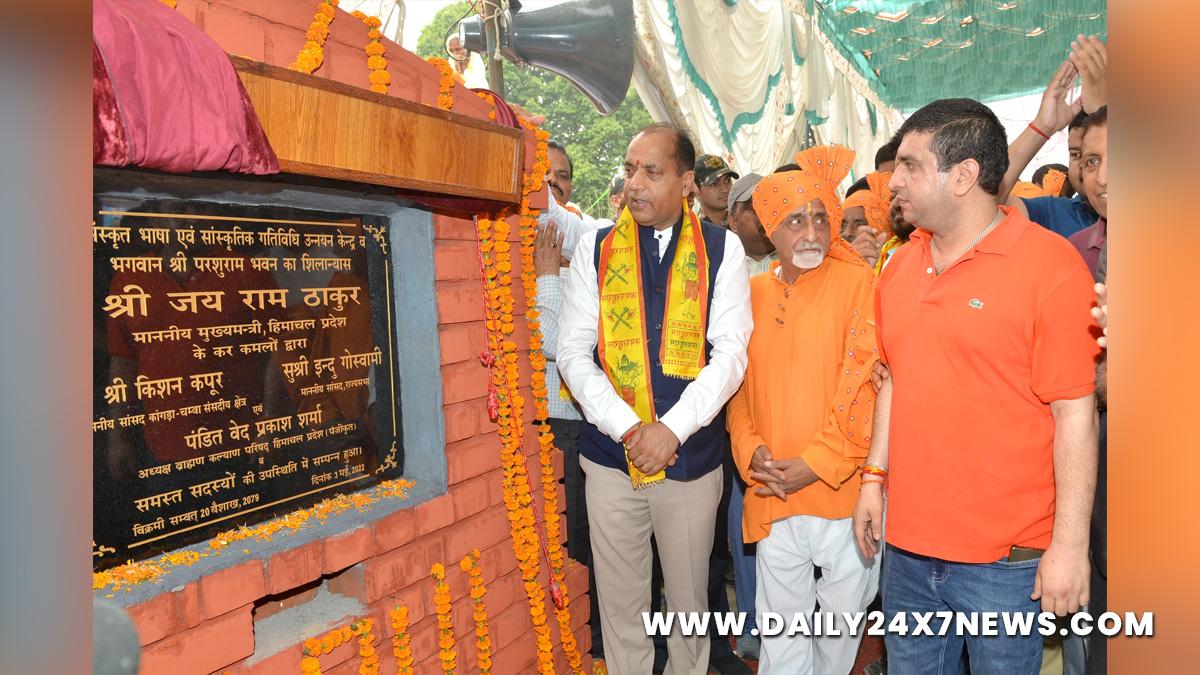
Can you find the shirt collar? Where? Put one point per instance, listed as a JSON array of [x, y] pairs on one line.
[[1000, 240], [1099, 234], [1085, 204]]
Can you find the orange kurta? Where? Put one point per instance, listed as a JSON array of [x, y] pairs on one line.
[[807, 391]]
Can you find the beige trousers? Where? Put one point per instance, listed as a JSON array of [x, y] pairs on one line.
[[681, 515]]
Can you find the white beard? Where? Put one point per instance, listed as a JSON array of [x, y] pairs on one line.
[[807, 260]]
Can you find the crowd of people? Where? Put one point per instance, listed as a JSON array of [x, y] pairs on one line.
[[756, 371]]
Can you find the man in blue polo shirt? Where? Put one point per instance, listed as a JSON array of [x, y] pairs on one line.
[[1088, 59]]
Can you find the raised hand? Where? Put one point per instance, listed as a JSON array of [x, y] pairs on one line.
[[1055, 112], [866, 242], [1089, 56], [547, 250]]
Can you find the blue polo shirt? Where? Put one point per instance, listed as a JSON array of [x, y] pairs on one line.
[[1061, 215]]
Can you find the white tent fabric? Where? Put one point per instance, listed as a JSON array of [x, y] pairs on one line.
[[744, 77]]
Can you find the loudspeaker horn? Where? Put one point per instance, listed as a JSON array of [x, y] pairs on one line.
[[589, 42]]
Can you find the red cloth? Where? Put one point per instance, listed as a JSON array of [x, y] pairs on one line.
[[110, 145], [171, 99]]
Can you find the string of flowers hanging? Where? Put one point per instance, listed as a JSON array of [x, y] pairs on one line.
[[378, 75], [401, 641], [483, 641], [445, 622], [313, 54]]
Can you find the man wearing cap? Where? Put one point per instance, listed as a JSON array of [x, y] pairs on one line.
[[760, 252], [713, 179], [616, 196], [801, 422]]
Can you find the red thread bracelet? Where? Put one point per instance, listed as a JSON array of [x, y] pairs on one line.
[[1038, 131], [630, 433]]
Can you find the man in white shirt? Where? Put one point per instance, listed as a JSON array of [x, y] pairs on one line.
[[665, 431], [571, 222]]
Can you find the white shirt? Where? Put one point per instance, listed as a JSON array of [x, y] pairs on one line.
[[760, 266], [729, 326], [571, 226], [549, 302]]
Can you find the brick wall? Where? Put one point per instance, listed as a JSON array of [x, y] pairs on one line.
[[210, 624], [272, 31]]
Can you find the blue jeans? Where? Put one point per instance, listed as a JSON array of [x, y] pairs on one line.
[[914, 583], [743, 555]]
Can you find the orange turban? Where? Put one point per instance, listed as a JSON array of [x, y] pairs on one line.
[[1052, 185], [876, 200], [1053, 181], [1027, 190], [822, 168]]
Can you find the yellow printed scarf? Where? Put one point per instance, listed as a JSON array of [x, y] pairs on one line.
[[624, 354]]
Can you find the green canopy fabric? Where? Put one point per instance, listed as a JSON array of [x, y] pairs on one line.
[[915, 52]]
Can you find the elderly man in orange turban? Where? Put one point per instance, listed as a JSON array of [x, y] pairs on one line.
[[800, 424]]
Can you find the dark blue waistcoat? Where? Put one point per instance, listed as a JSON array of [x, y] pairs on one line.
[[707, 448]]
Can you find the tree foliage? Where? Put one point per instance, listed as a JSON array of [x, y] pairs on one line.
[[595, 142]]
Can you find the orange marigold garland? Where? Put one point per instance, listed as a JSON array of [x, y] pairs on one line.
[[376, 64], [445, 83], [361, 628], [546, 449], [366, 650], [491, 101], [441, 603], [496, 253], [169, 3], [313, 54], [124, 577], [483, 645], [401, 641]]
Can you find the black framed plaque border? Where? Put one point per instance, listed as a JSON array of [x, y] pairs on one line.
[[378, 432]]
